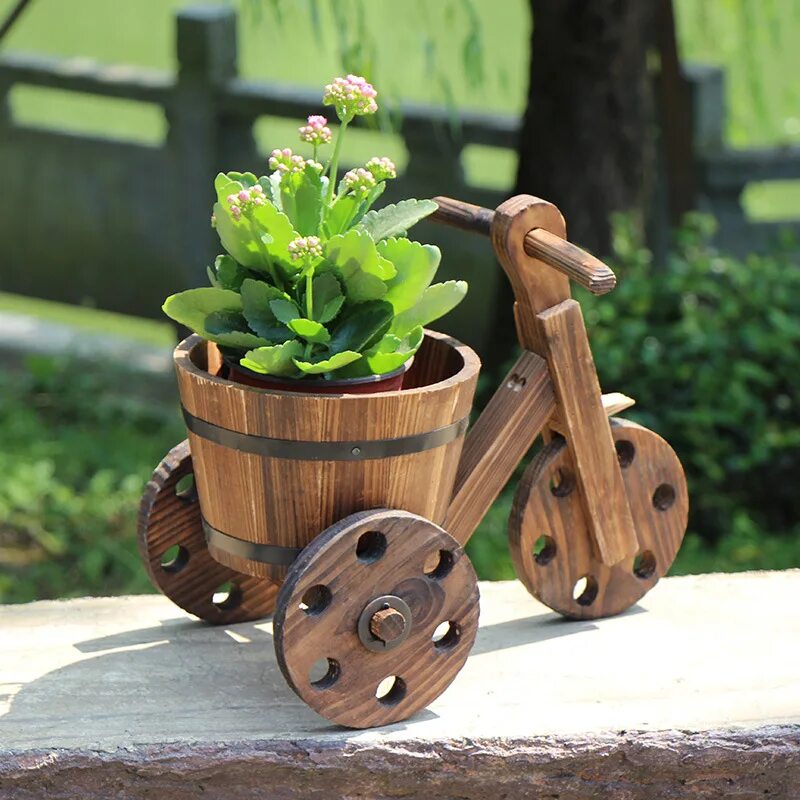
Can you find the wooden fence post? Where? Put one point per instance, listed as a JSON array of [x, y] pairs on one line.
[[200, 135]]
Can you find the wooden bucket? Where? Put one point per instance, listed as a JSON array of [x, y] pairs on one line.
[[274, 469]]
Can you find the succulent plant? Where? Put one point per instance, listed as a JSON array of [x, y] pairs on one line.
[[314, 281]]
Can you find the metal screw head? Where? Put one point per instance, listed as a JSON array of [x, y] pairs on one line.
[[400, 623], [356, 451]]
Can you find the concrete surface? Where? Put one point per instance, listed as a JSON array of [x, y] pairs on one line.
[[695, 689]]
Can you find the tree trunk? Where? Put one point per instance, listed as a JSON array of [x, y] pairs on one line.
[[586, 140]]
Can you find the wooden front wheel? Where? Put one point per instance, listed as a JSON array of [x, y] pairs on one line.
[[549, 538], [376, 617], [174, 551]]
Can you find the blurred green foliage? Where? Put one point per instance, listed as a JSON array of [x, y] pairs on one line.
[[709, 346], [74, 456]]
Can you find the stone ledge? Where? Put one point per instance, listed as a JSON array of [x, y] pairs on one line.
[[693, 693]]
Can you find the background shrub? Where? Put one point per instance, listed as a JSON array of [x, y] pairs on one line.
[[709, 346]]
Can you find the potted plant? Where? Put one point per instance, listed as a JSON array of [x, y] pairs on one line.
[[317, 292], [297, 389]]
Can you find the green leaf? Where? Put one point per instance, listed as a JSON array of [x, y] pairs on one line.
[[335, 361], [362, 327], [369, 201], [272, 188], [190, 308], [247, 179], [215, 314], [341, 214], [331, 308], [256, 297], [363, 271], [310, 330], [224, 186], [391, 352], [278, 227], [228, 274], [275, 360], [416, 265], [396, 218], [238, 239], [302, 200], [285, 310], [435, 302], [328, 297]]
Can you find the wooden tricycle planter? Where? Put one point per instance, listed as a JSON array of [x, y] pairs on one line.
[[362, 561]]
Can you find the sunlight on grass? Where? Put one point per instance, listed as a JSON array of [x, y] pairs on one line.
[[146, 331]]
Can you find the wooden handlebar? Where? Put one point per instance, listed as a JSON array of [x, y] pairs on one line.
[[556, 252]]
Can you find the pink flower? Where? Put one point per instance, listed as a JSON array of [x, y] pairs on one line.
[[316, 132], [382, 168], [245, 200], [306, 248], [351, 96], [284, 161], [359, 181]]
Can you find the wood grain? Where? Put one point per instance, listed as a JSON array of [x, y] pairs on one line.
[[547, 504], [287, 502], [547, 246], [168, 520], [613, 403], [588, 436], [497, 442], [570, 260], [536, 286], [425, 668]]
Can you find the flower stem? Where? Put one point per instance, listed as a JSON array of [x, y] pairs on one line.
[[309, 296], [334, 165]]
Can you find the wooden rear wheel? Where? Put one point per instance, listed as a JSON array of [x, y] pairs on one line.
[[376, 617], [549, 538], [174, 551]]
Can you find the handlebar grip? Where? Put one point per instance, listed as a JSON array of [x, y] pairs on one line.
[[567, 258]]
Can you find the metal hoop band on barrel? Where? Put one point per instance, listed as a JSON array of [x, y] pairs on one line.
[[264, 553], [303, 450]]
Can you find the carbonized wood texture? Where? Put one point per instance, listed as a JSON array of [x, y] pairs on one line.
[[581, 412], [550, 538], [613, 403], [168, 520], [288, 502], [332, 582], [536, 285], [498, 441], [577, 264], [538, 243]]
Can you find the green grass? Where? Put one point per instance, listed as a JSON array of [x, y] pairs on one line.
[[158, 334], [416, 55]]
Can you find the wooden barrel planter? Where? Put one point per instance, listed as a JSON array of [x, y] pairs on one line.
[[274, 469]]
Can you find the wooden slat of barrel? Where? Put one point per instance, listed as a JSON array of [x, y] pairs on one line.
[[287, 502]]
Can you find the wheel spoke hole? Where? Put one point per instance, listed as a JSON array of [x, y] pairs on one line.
[[439, 564], [544, 550], [664, 496], [625, 452], [186, 489], [562, 482], [315, 600], [446, 635], [227, 596], [391, 690], [584, 593], [324, 673], [644, 565], [174, 559], [371, 547]]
